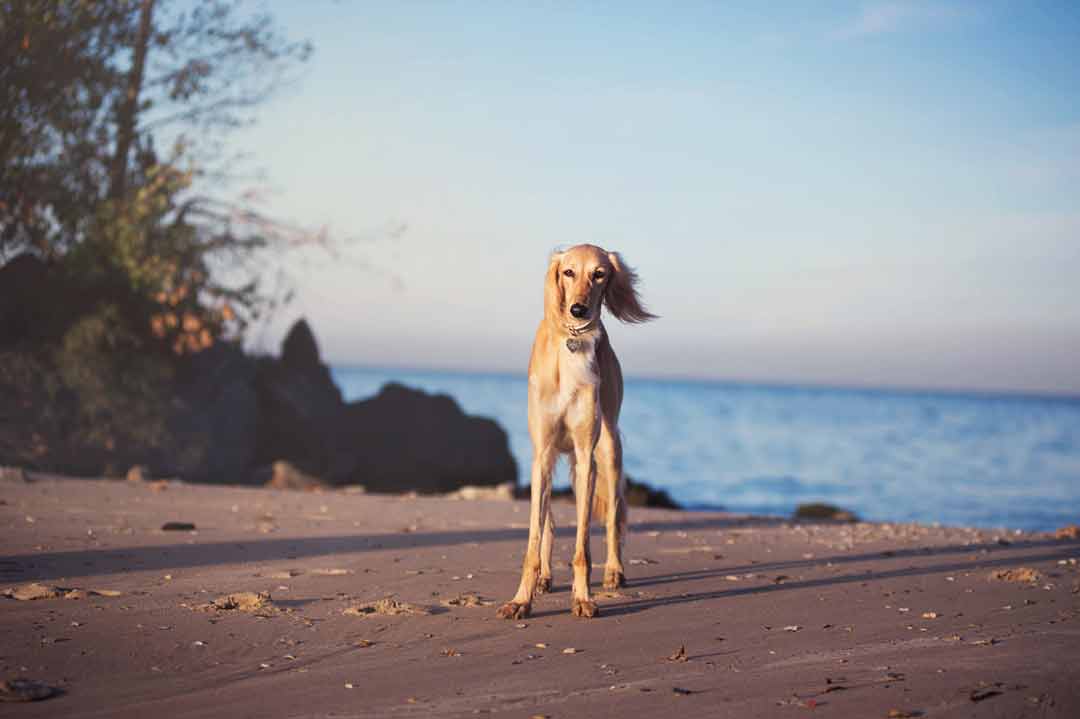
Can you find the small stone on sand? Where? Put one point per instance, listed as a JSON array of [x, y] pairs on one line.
[[24, 690]]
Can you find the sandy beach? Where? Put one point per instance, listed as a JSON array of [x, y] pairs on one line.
[[724, 615]]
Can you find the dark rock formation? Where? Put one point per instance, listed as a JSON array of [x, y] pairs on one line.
[[215, 419], [407, 439], [298, 405]]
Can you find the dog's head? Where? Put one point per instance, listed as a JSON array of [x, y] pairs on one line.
[[582, 279]]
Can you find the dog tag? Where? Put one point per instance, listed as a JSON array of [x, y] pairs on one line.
[[574, 345]]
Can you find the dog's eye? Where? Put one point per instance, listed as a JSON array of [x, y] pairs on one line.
[[598, 275], [568, 273]]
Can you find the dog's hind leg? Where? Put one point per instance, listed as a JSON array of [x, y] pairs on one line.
[[611, 504], [546, 546]]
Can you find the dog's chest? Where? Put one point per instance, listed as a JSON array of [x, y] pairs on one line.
[[577, 371]]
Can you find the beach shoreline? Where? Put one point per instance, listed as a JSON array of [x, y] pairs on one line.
[[775, 616]]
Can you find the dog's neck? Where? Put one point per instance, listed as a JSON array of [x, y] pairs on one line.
[[583, 338]]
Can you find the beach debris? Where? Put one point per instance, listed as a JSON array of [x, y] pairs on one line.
[[501, 492], [681, 692], [35, 590], [822, 510], [468, 600], [287, 574], [363, 643], [680, 655], [930, 615], [793, 628], [642, 560], [387, 606], [178, 527], [331, 572], [348, 685], [985, 692], [257, 603], [1019, 574], [14, 474], [1070, 531], [780, 578], [450, 652], [903, 714], [138, 473], [24, 690], [571, 650], [284, 475]]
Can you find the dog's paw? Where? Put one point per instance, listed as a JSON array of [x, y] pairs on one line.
[[544, 585], [614, 580], [584, 608], [513, 610]]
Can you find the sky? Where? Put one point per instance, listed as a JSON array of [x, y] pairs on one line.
[[840, 193]]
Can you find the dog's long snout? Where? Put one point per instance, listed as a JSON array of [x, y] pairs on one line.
[[580, 311]]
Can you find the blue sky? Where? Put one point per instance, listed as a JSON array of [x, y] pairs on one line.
[[878, 193]]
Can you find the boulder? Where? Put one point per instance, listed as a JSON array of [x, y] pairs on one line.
[[298, 404], [404, 439], [215, 417]]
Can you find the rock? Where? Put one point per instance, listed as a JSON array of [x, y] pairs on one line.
[[216, 419], [298, 405], [405, 439], [178, 527], [821, 510], [299, 350], [639, 494], [24, 690], [14, 474], [285, 476]]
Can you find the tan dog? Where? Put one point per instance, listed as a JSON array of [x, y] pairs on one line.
[[575, 392]]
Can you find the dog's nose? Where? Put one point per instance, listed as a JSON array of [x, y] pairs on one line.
[[579, 311]]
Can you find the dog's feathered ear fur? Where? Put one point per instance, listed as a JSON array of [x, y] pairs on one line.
[[553, 294], [621, 296]]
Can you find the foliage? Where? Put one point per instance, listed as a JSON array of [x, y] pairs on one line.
[[86, 91], [134, 258]]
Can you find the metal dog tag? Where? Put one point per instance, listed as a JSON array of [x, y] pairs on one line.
[[574, 345]]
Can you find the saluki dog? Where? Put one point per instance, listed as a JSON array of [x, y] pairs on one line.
[[575, 392]]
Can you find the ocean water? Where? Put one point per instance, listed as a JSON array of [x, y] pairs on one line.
[[961, 459]]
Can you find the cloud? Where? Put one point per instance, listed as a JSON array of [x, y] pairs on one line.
[[880, 18]]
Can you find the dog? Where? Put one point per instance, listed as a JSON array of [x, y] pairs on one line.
[[575, 392]]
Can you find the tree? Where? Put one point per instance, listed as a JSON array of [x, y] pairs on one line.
[[89, 88]]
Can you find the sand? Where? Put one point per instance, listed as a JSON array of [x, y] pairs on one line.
[[724, 615]]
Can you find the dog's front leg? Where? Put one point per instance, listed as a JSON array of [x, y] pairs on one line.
[[520, 606], [582, 604]]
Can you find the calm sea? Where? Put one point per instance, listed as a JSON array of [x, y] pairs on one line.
[[962, 459]]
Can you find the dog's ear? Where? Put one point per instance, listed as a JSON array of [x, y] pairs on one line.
[[621, 296], [553, 293]]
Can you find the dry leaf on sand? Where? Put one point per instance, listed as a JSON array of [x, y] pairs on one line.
[[1020, 574], [386, 606]]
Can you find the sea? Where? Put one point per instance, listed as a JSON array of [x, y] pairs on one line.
[[985, 460]]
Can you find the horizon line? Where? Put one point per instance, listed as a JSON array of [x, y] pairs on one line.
[[855, 387]]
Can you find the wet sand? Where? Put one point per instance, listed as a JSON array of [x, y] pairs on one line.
[[776, 618]]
